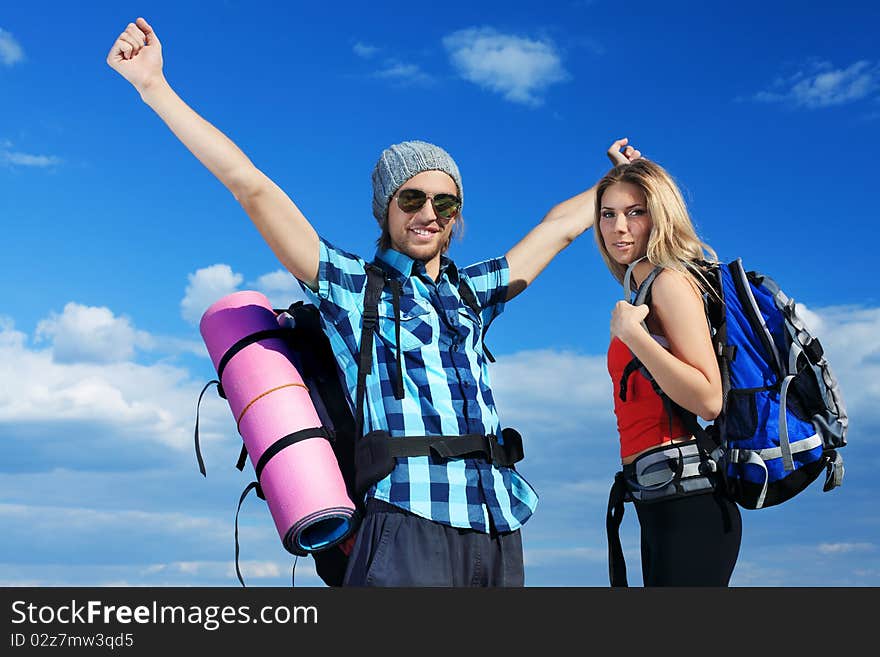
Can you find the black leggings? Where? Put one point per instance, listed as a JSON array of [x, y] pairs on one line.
[[689, 541]]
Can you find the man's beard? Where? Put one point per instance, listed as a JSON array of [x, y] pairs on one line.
[[419, 252]]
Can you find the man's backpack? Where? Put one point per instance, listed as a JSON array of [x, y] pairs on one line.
[[783, 417], [317, 365], [314, 359]]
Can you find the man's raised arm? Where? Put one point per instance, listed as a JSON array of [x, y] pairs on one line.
[[137, 56], [559, 228]]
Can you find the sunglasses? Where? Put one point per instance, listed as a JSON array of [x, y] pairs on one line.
[[412, 200]]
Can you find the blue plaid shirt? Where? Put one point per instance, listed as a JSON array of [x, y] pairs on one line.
[[445, 381]]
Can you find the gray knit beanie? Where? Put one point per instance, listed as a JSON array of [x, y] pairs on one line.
[[399, 163]]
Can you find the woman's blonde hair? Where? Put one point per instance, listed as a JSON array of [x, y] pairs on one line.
[[673, 243]]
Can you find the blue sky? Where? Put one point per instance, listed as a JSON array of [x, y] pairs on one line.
[[115, 239]]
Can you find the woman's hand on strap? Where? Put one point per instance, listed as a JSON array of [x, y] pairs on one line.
[[626, 320]]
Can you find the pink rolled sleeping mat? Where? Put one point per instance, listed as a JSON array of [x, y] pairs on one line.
[[282, 432]]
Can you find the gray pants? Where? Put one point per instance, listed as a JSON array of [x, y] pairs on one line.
[[397, 548]]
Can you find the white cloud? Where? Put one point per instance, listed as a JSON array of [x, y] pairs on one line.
[[392, 69], [135, 402], [555, 391], [177, 573], [206, 286], [364, 50], [280, 287], [27, 160], [402, 73], [572, 555], [518, 68], [11, 157], [11, 52], [585, 488], [43, 520], [171, 345], [844, 548], [850, 337], [749, 573], [90, 334], [255, 569], [210, 284], [822, 85]]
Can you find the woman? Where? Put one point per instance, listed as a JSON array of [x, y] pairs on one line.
[[664, 370]]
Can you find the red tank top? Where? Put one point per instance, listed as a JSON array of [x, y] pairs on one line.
[[642, 422]]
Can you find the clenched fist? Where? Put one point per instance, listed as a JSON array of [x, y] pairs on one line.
[[626, 320], [137, 55]]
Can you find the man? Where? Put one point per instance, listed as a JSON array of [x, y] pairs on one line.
[[431, 520]]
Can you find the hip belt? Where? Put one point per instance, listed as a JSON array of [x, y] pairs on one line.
[[664, 473], [377, 452], [668, 471]]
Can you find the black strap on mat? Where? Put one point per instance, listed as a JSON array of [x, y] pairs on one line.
[[242, 457], [287, 441], [251, 486], [272, 450], [196, 434], [279, 332]]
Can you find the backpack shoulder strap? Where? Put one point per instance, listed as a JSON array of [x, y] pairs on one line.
[[467, 295], [643, 294], [372, 293]]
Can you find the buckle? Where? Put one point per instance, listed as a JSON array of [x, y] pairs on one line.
[[511, 451], [371, 318], [494, 449]]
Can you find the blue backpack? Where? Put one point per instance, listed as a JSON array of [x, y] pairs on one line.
[[782, 417]]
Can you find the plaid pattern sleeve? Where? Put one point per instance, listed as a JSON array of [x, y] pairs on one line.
[[339, 298], [489, 280], [341, 281]]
